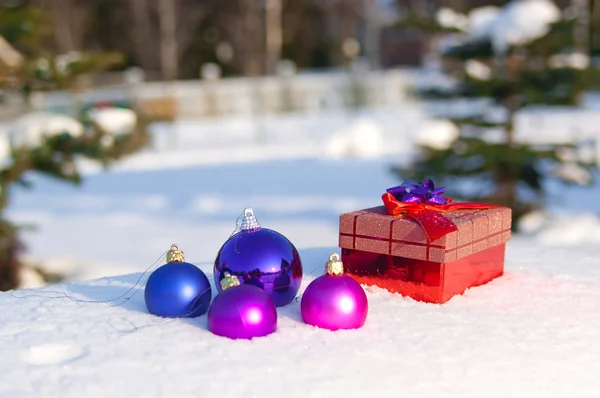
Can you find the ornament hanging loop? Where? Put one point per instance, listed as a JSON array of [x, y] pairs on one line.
[[249, 221], [175, 255], [334, 266]]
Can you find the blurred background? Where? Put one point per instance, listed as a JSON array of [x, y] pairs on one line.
[[129, 125]]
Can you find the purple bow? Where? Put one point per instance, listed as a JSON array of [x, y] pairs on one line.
[[413, 192]]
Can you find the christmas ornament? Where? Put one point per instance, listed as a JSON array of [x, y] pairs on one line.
[[263, 258], [177, 289], [241, 311], [334, 301]]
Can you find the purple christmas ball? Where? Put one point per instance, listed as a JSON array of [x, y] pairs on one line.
[[263, 258], [334, 301], [242, 312]]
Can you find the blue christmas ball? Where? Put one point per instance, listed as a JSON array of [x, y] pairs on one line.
[[178, 290], [263, 258]]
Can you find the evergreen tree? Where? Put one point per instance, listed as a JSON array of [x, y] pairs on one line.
[[503, 73], [56, 155]]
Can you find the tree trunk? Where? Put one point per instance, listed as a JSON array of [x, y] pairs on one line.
[[510, 180], [246, 34], [254, 51], [581, 39], [62, 27], [511, 105], [372, 30], [169, 61], [142, 33], [9, 263], [591, 10], [274, 35]]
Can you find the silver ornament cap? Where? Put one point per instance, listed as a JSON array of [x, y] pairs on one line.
[[249, 221]]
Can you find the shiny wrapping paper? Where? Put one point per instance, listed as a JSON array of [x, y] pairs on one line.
[[393, 252], [424, 280], [374, 230]]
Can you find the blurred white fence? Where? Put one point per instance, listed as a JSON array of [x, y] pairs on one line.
[[310, 93], [326, 93]]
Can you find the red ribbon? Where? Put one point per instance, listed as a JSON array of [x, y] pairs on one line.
[[434, 224]]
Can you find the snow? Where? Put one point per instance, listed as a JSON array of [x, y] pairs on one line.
[[124, 217], [522, 21], [478, 70], [535, 124], [114, 120], [532, 332], [5, 151], [449, 18], [574, 60], [30, 129], [572, 230], [516, 23], [362, 138], [481, 21], [437, 134], [573, 172], [432, 77], [200, 175]]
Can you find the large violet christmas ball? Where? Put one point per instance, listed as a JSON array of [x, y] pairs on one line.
[[263, 258], [177, 289], [241, 311], [334, 301]]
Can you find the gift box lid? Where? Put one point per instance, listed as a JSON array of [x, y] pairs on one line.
[[375, 230]]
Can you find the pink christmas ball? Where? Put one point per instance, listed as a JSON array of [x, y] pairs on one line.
[[334, 302]]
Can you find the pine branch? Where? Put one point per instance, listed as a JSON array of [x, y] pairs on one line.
[[477, 49], [57, 155], [477, 121]]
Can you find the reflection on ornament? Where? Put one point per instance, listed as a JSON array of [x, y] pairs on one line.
[[177, 289], [263, 258], [229, 281], [334, 301], [253, 278], [281, 284]]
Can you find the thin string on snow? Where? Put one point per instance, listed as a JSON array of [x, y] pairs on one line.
[[114, 302], [126, 296], [157, 320]]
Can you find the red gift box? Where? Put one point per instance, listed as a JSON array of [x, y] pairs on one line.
[[395, 251]]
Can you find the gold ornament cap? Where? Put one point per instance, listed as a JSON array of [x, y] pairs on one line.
[[334, 266], [229, 281], [175, 255]]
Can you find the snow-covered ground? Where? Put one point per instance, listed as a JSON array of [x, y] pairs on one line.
[[197, 178], [533, 332], [530, 333], [192, 185]]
